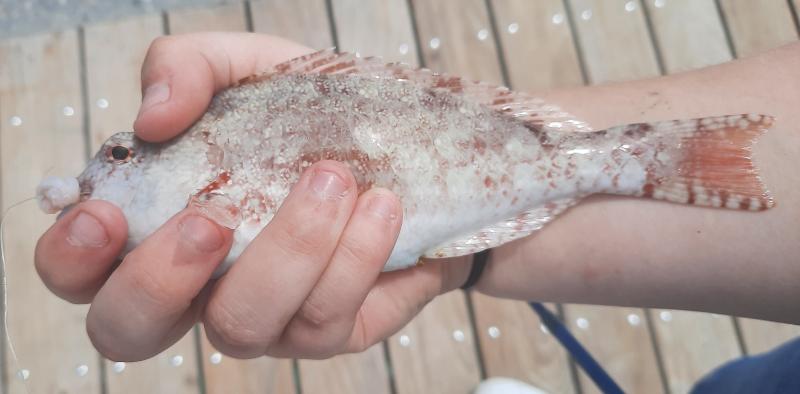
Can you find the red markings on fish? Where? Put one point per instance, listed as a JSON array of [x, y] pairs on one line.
[[216, 184]]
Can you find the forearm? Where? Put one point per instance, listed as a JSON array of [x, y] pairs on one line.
[[626, 251]]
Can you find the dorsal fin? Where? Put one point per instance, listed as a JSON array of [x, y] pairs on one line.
[[506, 231], [528, 109]]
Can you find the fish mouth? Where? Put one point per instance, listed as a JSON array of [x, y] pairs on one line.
[[86, 190]]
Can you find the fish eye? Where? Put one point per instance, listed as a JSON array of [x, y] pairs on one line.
[[119, 153]]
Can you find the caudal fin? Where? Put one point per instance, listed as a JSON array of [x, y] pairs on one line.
[[712, 165]]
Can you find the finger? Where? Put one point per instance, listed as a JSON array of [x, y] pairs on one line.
[[323, 324], [181, 73], [254, 301], [400, 295], [135, 314], [75, 256]]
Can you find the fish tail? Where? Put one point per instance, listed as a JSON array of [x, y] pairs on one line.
[[705, 162]]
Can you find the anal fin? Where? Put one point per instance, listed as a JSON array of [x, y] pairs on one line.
[[506, 231]]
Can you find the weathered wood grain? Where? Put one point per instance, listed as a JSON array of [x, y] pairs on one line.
[[304, 21], [690, 33], [541, 53], [41, 133], [755, 25], [226, 17]]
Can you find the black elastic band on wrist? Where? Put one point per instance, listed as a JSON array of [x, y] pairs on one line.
[[479, 261]]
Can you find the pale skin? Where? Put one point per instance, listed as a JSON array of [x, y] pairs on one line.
[[310, 285]]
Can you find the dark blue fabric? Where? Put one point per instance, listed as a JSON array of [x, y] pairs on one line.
[[777, 371]]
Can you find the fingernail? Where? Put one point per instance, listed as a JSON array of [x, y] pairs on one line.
[[383, 206], [327, 185], [86, 232], [155, 94], [200, 233]]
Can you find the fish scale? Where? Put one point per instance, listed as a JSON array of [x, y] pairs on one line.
[[475, 165]]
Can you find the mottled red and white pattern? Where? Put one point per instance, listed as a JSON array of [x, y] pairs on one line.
[[475, 166]]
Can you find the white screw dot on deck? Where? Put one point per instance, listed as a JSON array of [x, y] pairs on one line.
[[435, 43], [215, 358], [82, 370], [558, 19], [582, 323], [459, 336], [494, 332], [660, 3], [15, 121], [102, 103], [483, 34], [68, 111], [630, 6], [543, 329], [586, 15], [24, 374], [405, 341], [634, 319], [403, 49], [513, 28], [176, 361], [665, 316], [118, 366]]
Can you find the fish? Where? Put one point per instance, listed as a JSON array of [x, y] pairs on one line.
[[475, 165]]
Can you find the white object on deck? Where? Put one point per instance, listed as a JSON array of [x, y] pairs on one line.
[[506, 386]]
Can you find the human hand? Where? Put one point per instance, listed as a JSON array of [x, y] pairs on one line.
[[310, 285]]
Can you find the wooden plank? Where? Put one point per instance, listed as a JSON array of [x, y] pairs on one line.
[[366, 372], [757, 25], [614, 41], [358, 23], [689, 33], [620, 340], [514, 344], [226, 17], [259, 375], [304, 21], [113, 74], [760, 336], [351, 373], [456, 37], [540, 54], [615, 45], [464, 46], [689, 36], [435, 352], [693, 344], [224, 374], [41, 133]]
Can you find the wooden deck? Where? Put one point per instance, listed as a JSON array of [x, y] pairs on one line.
[[62, 94]]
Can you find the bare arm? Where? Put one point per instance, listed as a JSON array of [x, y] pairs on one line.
[[625, 251]]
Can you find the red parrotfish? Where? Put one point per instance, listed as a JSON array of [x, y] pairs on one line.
[[475, 165]]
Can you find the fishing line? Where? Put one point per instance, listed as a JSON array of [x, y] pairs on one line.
[[6, 213]]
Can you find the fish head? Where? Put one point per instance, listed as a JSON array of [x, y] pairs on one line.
[[115, 172], [148, 182]]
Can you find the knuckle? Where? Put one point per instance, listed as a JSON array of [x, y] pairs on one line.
[[233, 328], [313, 315], [352, 250], [297, 240], [153, 290]]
